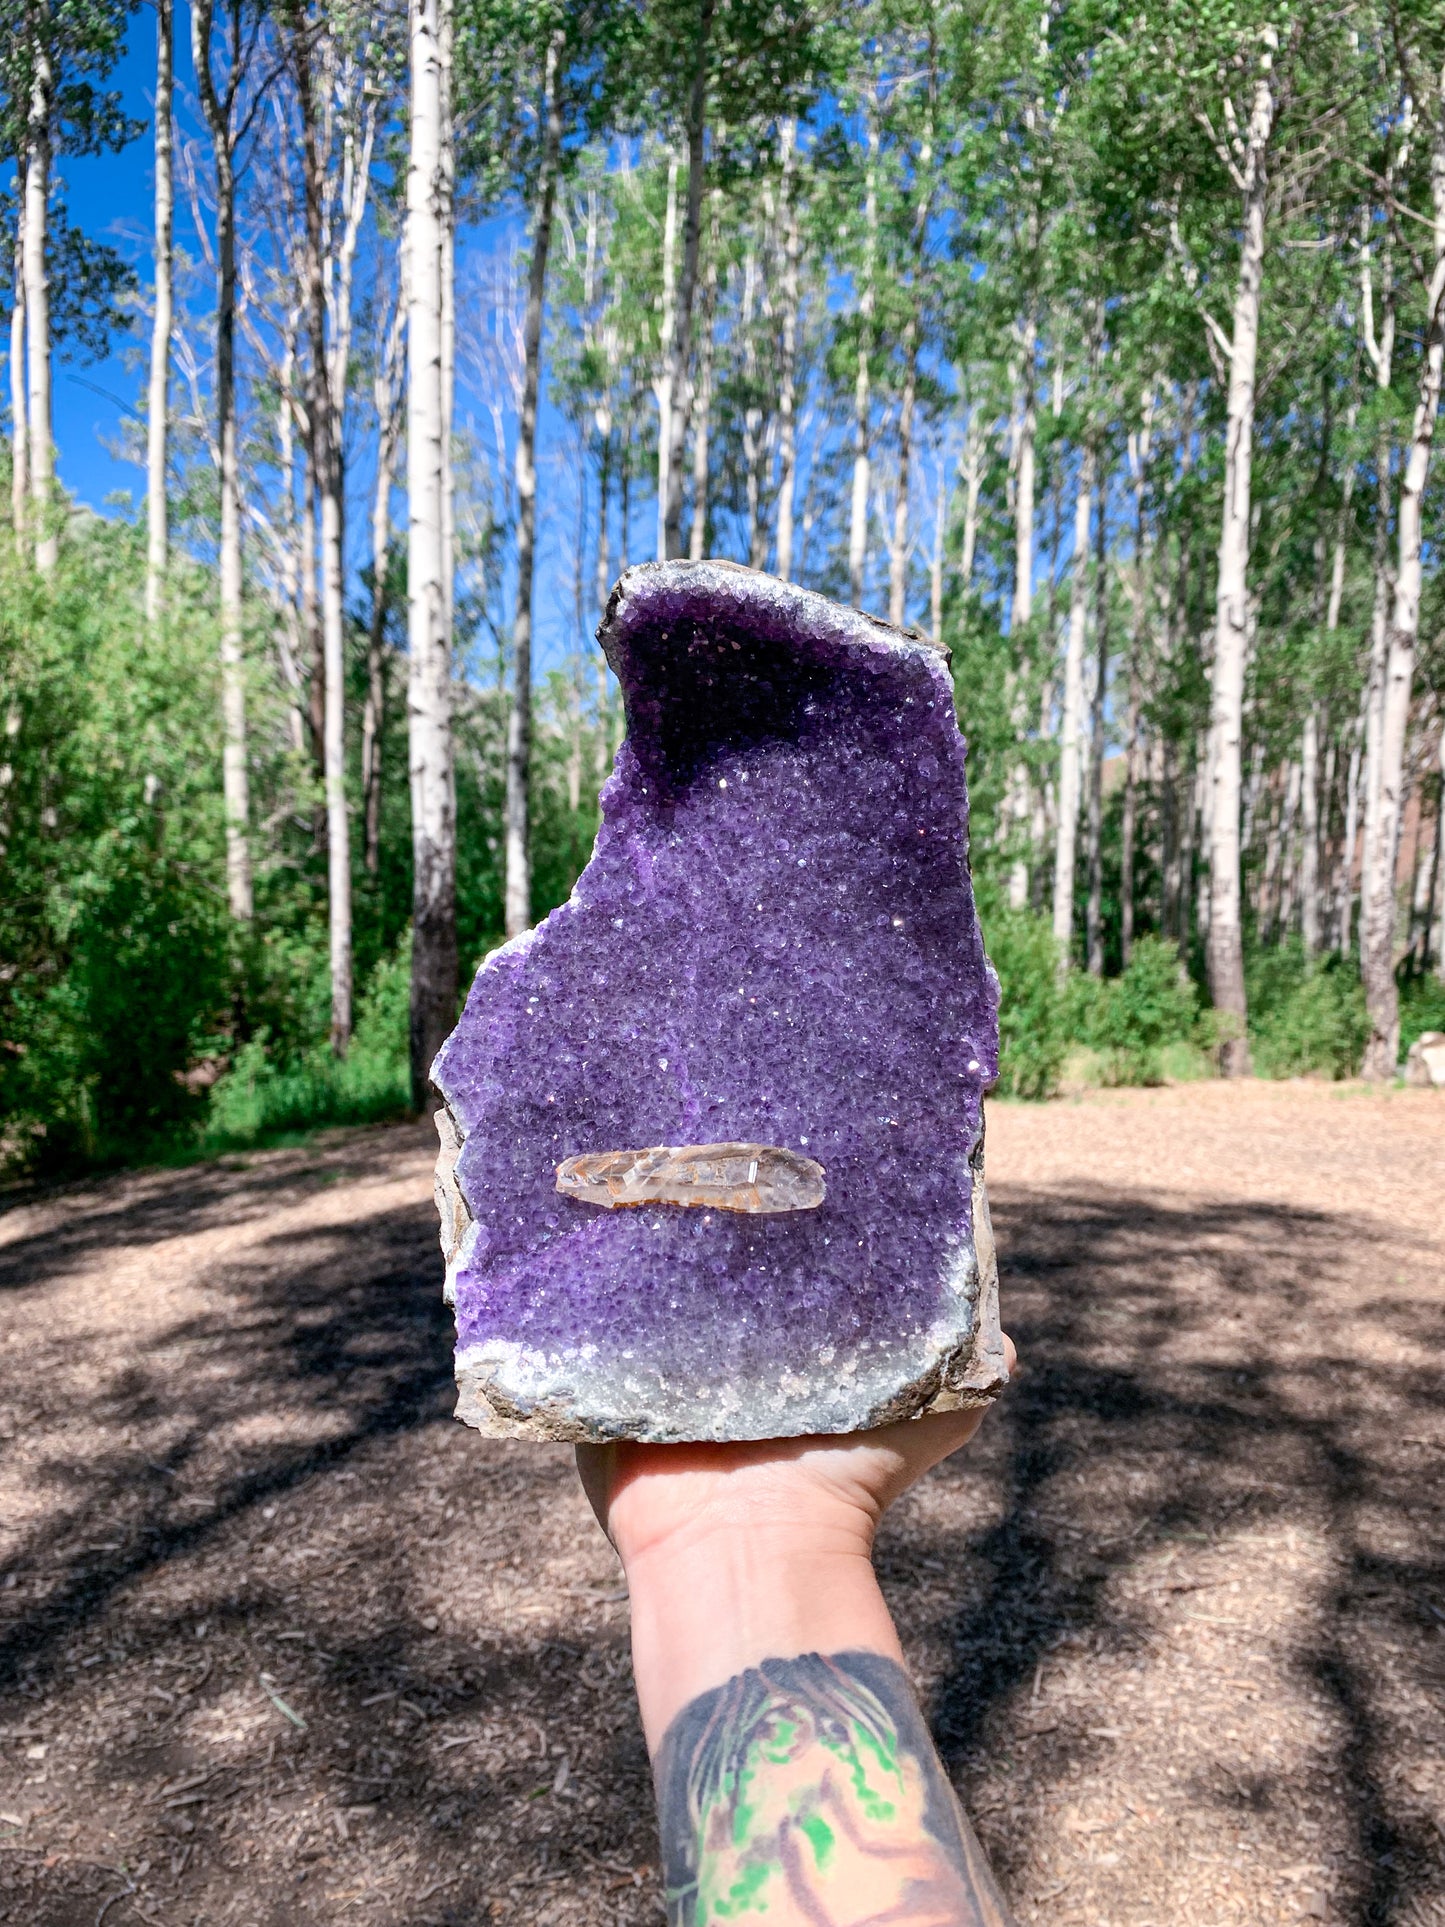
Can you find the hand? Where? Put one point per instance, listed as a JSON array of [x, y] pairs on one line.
[[650, 1498], [739, 1551]]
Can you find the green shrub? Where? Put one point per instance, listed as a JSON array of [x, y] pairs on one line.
[[1134, 1018], [1422, 1008], [1306, 1015], [261, 1098], [1033, 1039]]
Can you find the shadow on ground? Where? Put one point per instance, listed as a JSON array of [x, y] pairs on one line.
[[296, 1646]]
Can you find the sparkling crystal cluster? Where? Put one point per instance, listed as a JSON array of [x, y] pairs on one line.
[[773, 945]]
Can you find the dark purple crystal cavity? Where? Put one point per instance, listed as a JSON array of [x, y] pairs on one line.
[[775, 941]]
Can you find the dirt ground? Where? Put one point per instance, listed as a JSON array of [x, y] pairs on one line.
[[280, 1642]]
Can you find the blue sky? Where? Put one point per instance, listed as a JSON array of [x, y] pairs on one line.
[[110, 196]]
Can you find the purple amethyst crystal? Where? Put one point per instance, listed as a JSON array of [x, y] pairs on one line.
[[774, 944]]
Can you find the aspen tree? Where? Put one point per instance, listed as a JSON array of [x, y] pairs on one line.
[[1072, 717], [387, 399], [702, 402], [429, 693], [1246, 159], [518, 898], [40, 439], [19, 430], [667, 398], [862, 383], [1377, 944], [681, 337], [788, 358], [158, 391], [219, 108]]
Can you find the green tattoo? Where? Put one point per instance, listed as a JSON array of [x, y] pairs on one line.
[[808, 1790]]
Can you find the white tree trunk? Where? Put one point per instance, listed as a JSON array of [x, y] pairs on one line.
[[234, 776], [1025, 424], [429, 702], [1309, 869], [687, 279], [702, 406], [898, 549], [862, 381], [158, 393], [1095, 909], [37, 310], [446, 21], [972, 484], [1024, 433], [935, 562], [1378, 889], [387, 385], [1375, 677], [518, 901], [1232, 628], [1346, 874], [666, 398], [752, 414], [787, 371], [330, 356], [1440, 867], [1071, 720], [19, 410]]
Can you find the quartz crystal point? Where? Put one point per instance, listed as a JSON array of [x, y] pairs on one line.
[[773, 950]]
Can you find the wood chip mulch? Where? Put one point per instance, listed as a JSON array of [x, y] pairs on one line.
[[280, 1642]]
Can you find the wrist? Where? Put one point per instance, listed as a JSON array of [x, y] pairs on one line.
[[709, 1604]]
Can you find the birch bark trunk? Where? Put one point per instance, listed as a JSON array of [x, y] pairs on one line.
[[862, 380], [972, 483], [702, 407], [1374, 703], [158, 394], [431, 768], [1440, 866], [935, 564], [386, 393], [330, 353], [1379, 347], [518, 902], [666, 399], [787, 372], [1016, 807], [19, 427], [1071, 721], [288, 634], [1313, 907], [1378, 892], [1309, 869], [1095, 917], [1346, 890], [687, 280], [898, 549], [447, 37], [1225, 951], [1129, 822], [752, 414], [1025, 432], [235, 779], [41, 446]]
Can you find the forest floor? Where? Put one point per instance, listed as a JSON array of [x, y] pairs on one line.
[[281, 1643]]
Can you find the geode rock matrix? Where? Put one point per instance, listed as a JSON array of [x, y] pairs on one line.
[[773, 945]]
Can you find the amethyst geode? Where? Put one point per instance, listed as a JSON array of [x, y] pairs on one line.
[[774, 943]]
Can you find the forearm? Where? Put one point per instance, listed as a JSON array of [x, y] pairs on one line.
[[795, 1776]]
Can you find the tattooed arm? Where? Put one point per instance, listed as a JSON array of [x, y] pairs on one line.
[[809, 1789], [797, 1785]]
